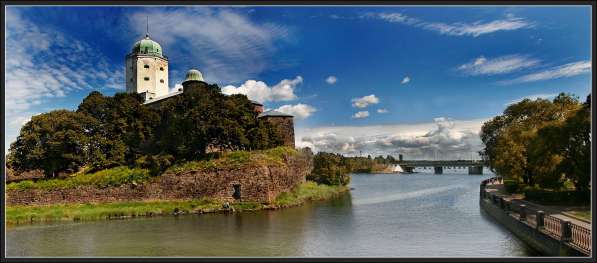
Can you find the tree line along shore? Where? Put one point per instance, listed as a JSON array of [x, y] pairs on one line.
[[542, 149]]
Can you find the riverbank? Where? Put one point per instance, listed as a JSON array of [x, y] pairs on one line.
[[18, 215], [549, 232]]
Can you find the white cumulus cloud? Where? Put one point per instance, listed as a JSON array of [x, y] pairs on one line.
[[331, 80], [299, 111], [361, 115], [405, 80], [261, 92], [365, 101], [382, 111]]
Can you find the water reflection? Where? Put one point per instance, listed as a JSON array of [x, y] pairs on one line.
[[385, 215]]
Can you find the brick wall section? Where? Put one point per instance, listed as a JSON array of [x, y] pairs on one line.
[[285, 127], [258, 183]]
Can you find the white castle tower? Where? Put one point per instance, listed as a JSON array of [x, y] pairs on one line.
[[147, 69]]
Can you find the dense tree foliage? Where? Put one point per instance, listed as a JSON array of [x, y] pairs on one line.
[[56, 141], [330, 169], [126, 128], [203, 119], [333, 169], [541, 142], [109, 131]]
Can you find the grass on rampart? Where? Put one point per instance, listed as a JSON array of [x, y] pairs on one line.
[[308, 191], [105, 178], [16, 215], [237, 159]]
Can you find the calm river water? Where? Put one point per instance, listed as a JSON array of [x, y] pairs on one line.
[[414, 215]]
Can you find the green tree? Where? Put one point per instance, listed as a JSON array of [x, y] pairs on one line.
[[126, 128], [203, 118], [507, 137], [576, 147], [54, 142], [328, 168], [544, 156], [534, 141]]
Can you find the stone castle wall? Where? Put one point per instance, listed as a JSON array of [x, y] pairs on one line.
[[257, 183]]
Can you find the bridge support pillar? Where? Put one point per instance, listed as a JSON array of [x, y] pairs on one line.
[[438, 169], [475, 170]]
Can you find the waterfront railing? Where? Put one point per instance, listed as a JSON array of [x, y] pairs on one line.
[[575, 235], [553, 225], [581, 237]]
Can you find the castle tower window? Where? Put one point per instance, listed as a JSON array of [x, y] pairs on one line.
[[161, 81], [162, 68], [146, 78], [146, 66]]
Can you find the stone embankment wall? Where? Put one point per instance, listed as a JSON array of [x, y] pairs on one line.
[[257, 183], [535, 236]]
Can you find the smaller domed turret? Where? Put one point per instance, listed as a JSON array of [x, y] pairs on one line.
[[193, 75]]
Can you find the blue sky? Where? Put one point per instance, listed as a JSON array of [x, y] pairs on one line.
[[373, 80]]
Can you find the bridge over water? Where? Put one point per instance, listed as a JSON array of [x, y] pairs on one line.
[[474, 166]]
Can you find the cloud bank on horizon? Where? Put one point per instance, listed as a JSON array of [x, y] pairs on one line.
[[347, 97], [444, 137]]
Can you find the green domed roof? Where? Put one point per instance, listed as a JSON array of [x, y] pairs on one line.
[[194, 75], [147, 46]]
